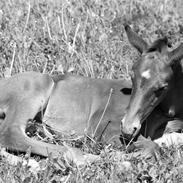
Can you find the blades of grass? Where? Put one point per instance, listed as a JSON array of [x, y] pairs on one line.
[[63, 24], [27, 19], [107, 104], [13, 59]]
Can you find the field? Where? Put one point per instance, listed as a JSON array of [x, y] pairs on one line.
[[87, 38]]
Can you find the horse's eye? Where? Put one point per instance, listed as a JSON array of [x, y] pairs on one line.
[[159, 91]]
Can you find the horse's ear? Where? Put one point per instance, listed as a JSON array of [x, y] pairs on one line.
[[135, 40], [176, 54], [160, 45]]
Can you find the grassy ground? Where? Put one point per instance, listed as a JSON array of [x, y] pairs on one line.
[[87, 38]]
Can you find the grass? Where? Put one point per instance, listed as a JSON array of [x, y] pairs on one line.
[[87, 38]]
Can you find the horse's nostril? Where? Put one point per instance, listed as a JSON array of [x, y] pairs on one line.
[[134, 129]]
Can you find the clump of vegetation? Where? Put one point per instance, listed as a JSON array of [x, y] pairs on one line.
[[87, 38]]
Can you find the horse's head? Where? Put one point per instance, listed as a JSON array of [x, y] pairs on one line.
[[150, 77]]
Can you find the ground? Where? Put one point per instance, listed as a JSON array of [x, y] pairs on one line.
[[87, 38]]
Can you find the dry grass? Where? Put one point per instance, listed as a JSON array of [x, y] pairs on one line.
[[86, 38]]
